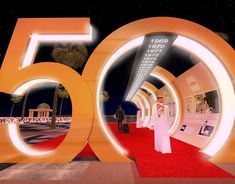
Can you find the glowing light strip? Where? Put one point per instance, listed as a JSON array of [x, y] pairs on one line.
[[21, 90], [121, 51], [150, 91], [36, 39], [226, 90], [13, 128], [30, 53], [69, 38], [147, 106], [176, 98]]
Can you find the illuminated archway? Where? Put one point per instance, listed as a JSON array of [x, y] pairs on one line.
[[226, 90], [131, 36]]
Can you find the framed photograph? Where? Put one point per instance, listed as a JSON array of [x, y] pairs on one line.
[[183, 127], [207, 103], [187, 129], [206, 130]]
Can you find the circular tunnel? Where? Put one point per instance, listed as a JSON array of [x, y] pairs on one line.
[[195, 95]]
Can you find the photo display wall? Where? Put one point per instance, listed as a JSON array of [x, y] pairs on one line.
[[201, 112]]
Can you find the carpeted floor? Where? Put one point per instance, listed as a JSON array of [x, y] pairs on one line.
[[185, 161]]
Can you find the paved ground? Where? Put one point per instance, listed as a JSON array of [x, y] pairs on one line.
[[92, 172]]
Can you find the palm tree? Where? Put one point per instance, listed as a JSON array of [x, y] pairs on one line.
[[54, 108], [73, 55], [24, 103], [63, 94], [70, 54], [15, 99]]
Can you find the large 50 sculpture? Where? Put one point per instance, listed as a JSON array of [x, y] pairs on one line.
[[18, 73]]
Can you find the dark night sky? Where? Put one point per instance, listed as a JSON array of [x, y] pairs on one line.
[[217, 15], [116, 84]]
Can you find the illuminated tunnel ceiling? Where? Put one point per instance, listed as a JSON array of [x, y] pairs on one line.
[[173, 59]]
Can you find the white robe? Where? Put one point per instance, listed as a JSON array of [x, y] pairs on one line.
[[139, 122], [161, 137]]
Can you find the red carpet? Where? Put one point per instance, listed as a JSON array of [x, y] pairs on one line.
[[49, 144], [185, 162]]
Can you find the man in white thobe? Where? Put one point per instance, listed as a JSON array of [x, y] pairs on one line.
[[161, 137]]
